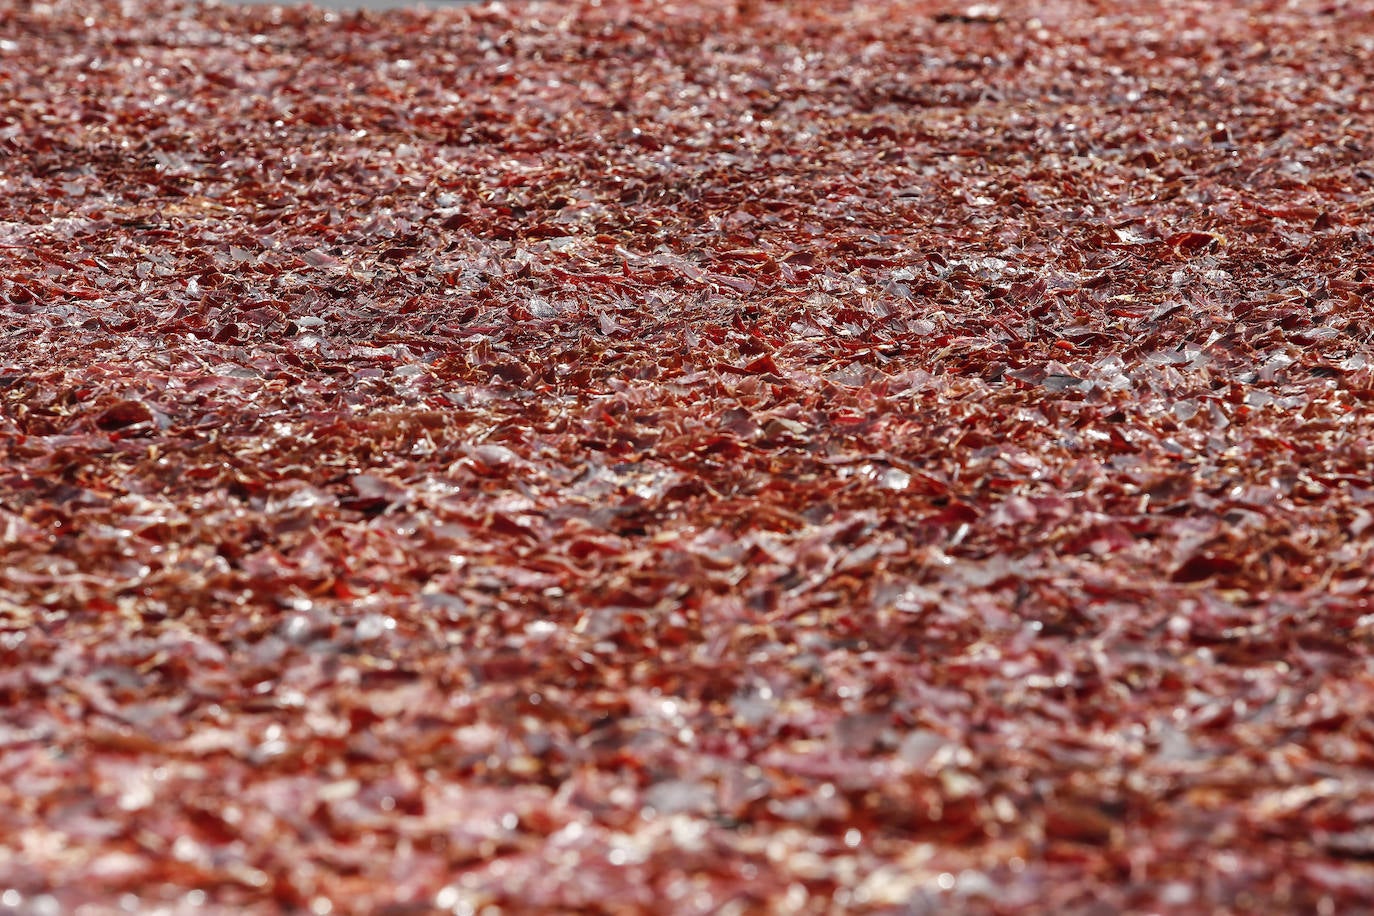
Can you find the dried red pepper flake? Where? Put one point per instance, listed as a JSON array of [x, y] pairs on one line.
[[881, 456]]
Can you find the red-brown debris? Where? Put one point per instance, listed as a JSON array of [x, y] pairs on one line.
[[644, 456]]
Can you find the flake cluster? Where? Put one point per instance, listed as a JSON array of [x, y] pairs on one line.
[[642, 456]]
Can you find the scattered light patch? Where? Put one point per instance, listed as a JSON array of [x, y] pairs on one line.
[[540, 629], [373, 626], [894, 479]]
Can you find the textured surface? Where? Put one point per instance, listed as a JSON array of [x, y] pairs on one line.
[[354, 5], [649, 456]]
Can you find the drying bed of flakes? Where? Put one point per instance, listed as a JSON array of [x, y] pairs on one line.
[[869, 457]]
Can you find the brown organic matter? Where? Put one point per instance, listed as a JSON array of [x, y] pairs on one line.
[[646, 456]]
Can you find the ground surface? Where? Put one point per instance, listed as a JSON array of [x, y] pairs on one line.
[[673, 457], [353, 5]]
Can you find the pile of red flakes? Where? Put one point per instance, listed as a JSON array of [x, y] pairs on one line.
[[651, 456]]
